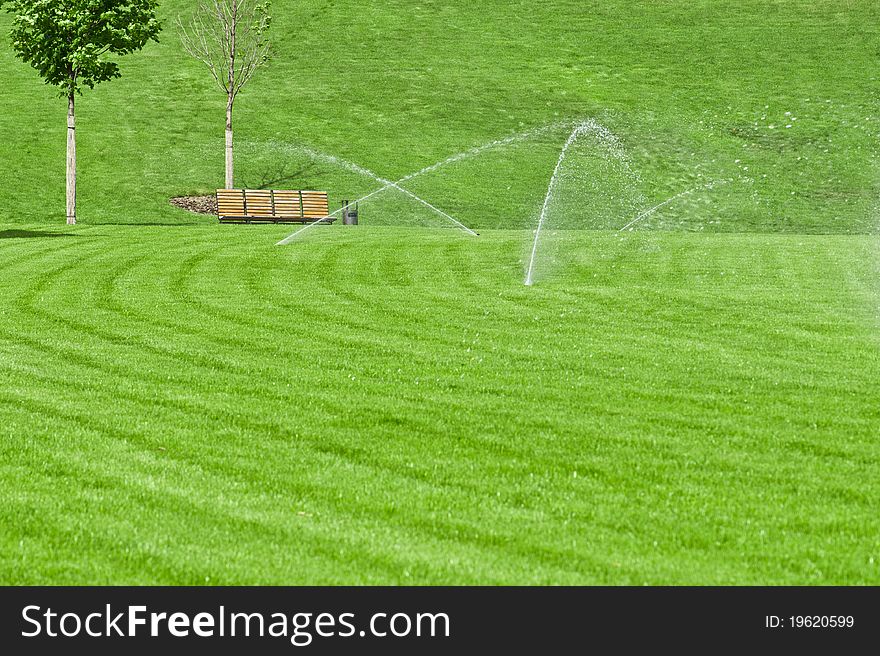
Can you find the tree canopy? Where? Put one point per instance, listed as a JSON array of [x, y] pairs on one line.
[[67, 40]]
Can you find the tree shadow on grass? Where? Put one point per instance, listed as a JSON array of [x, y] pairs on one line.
[[283, 176], [32, 234]]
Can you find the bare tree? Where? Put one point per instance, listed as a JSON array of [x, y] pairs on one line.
[[229, 37]]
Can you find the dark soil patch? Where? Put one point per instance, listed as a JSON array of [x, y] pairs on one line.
[[196, 204]]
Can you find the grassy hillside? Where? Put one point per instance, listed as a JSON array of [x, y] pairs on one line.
[[695, 91], [366, 407]]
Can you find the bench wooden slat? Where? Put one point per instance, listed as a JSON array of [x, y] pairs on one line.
[[272, 206], [230, 201], [259, 202], [288, 204]]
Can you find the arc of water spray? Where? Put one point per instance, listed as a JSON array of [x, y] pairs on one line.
[[666, 202], [291, 237], [387, 184], [553, 181], [497, 143]]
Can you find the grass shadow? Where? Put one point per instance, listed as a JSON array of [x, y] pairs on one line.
[[32, 234], [153, 224]]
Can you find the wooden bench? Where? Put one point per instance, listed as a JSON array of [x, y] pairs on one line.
[[272, 206]]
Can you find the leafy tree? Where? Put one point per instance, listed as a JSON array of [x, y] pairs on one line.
[[229, 37], [67, 41]]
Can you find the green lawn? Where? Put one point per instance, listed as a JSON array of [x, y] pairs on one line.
[[378, 405], [693, 402]]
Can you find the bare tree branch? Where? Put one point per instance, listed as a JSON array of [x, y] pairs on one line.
[[229, 38]]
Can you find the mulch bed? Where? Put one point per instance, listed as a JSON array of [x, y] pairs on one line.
[[196, 204]]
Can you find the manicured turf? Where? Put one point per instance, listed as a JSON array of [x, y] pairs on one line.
[[696, 90], [694, 402], [191, 405]]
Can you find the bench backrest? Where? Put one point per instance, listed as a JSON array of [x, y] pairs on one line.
[[314, 204], [288, 203], [258, 202], [272, 203], [230, 202]]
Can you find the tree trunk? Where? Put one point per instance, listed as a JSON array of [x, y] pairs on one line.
[[71, 160], [232, 29], [230, 182]]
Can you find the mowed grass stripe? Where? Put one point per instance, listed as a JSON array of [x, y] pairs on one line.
[[467, 476], [112, 484]]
